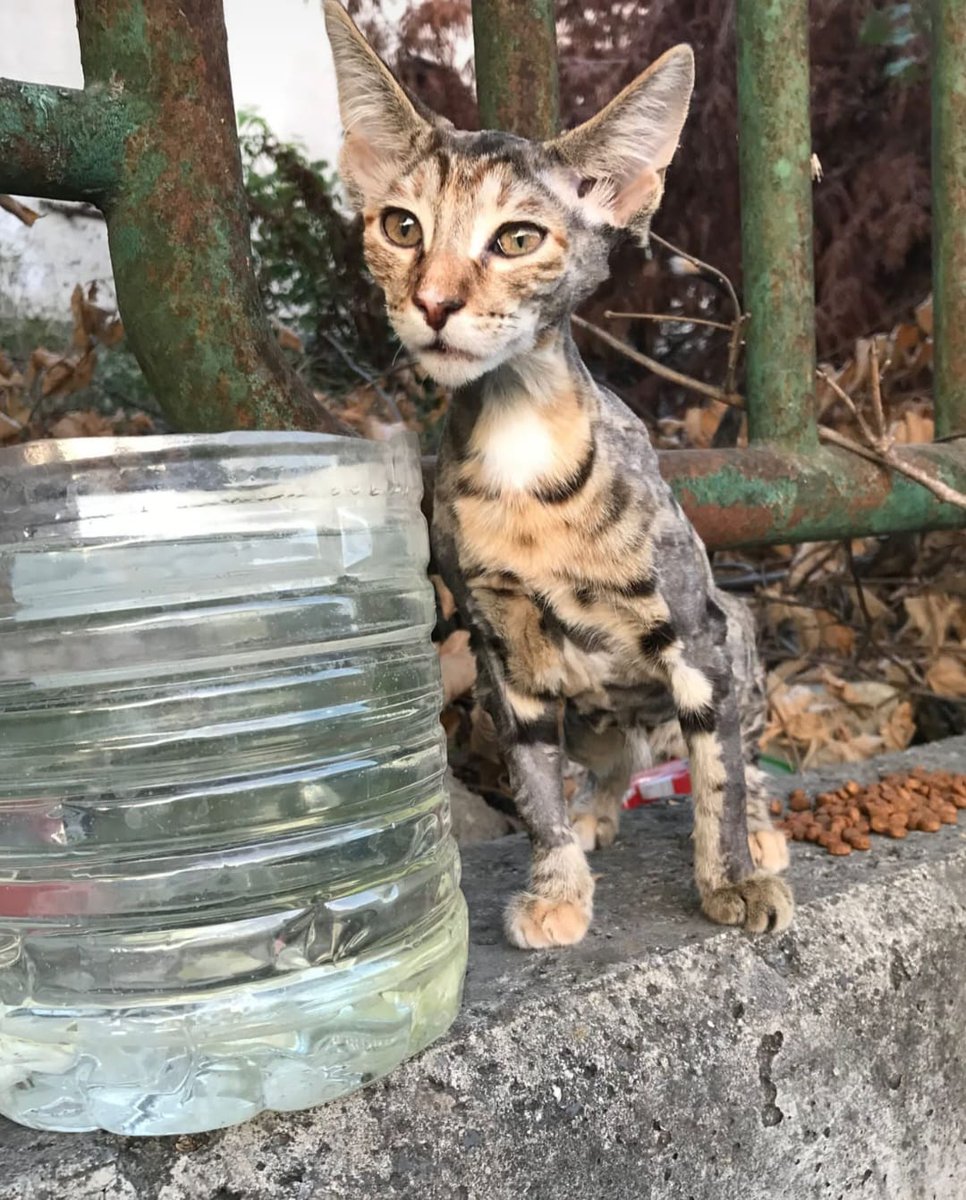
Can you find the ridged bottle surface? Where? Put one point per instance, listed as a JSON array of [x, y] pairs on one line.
[[227, 881]]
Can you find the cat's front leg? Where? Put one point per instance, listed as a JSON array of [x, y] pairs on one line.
[[557, 906]]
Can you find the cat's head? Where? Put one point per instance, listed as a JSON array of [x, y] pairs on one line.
[[483, 241]]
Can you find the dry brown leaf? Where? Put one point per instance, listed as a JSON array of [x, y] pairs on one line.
[[457, 665], [69, 375], [924, 316], [701, 423], [932, 614], [288, 339], [898, 731], [947, 677], [85, 423], [912, 428]]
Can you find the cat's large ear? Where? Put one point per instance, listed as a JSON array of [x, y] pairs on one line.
[[380, 120], [619, 157]]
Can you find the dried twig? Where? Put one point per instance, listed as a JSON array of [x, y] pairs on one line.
[[695, 385], [702, 265], [880, 447], [18, 210], [72, 210], [388, 402], [849, 404], [676, 318], [884, 441], [891, 461]]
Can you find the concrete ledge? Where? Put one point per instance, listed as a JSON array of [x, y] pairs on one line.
[[664, 1057]]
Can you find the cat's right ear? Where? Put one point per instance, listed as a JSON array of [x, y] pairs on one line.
[[618, 158], [380, 121]]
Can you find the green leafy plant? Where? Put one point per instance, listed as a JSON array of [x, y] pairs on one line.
[[308, 260]]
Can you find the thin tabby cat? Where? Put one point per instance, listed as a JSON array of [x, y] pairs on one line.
[[585, 587]]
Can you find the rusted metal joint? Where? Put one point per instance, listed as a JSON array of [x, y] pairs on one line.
[[151, 141]]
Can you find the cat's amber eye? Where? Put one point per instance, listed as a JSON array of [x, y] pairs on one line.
[[514, 240], [401, 228]]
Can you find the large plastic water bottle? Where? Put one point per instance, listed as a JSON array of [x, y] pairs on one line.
[[226, 876]]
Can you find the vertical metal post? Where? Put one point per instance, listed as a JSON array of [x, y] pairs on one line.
[[774, 144], [949, 214], [515, 48]]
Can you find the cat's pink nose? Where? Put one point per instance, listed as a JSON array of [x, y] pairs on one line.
[[436, 312]]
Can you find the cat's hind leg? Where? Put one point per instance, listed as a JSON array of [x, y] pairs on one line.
[[768, 845], [611, 755]]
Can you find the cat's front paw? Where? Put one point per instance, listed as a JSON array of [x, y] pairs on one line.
[[533, 923], [761, 903], [557, 909]]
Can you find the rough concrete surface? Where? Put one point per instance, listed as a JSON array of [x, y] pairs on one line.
[[664, 1057]]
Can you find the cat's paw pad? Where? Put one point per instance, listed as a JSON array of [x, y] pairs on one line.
[[593, 832], [769, 850], [760, 903], [533, 923]]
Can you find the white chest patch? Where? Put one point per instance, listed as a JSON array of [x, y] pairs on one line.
[[517, 448]]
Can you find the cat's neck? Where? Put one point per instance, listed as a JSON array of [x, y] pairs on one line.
[[549, 376], [532, 418]]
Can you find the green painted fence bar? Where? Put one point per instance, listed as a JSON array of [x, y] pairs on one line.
[[949, 213], [515, 52], [774, 151]]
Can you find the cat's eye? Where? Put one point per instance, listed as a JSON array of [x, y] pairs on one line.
[[401, 228], [514, 240]]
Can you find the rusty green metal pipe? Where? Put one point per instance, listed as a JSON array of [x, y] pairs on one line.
[[769, 495], [515, 50], [151, 140], [178, 222], [774, 151], [949, 214], [766, 495], [63, 143]]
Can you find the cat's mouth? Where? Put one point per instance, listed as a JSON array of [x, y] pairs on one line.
[[438, 346]]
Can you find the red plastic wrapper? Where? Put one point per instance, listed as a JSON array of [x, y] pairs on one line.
[[658, 783]]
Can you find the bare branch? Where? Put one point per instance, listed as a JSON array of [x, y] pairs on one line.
[[676, 318], [877, 394], [729, 286], [650, 364], [889, 459], [18, 210]]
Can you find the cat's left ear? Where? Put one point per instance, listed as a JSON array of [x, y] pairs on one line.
[[381, 122], [617, 159]]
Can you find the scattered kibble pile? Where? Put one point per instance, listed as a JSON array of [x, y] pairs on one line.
[[841, 821]]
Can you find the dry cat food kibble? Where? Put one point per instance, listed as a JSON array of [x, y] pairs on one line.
[[841, 821]]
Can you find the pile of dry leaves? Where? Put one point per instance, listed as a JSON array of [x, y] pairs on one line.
[[38, 397]]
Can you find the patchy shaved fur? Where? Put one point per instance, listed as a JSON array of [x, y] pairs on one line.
[[595, 620]]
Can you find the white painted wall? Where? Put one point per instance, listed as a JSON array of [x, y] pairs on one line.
[[280, 65]]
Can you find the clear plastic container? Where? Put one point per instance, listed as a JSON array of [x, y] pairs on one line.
[[227, 881]]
